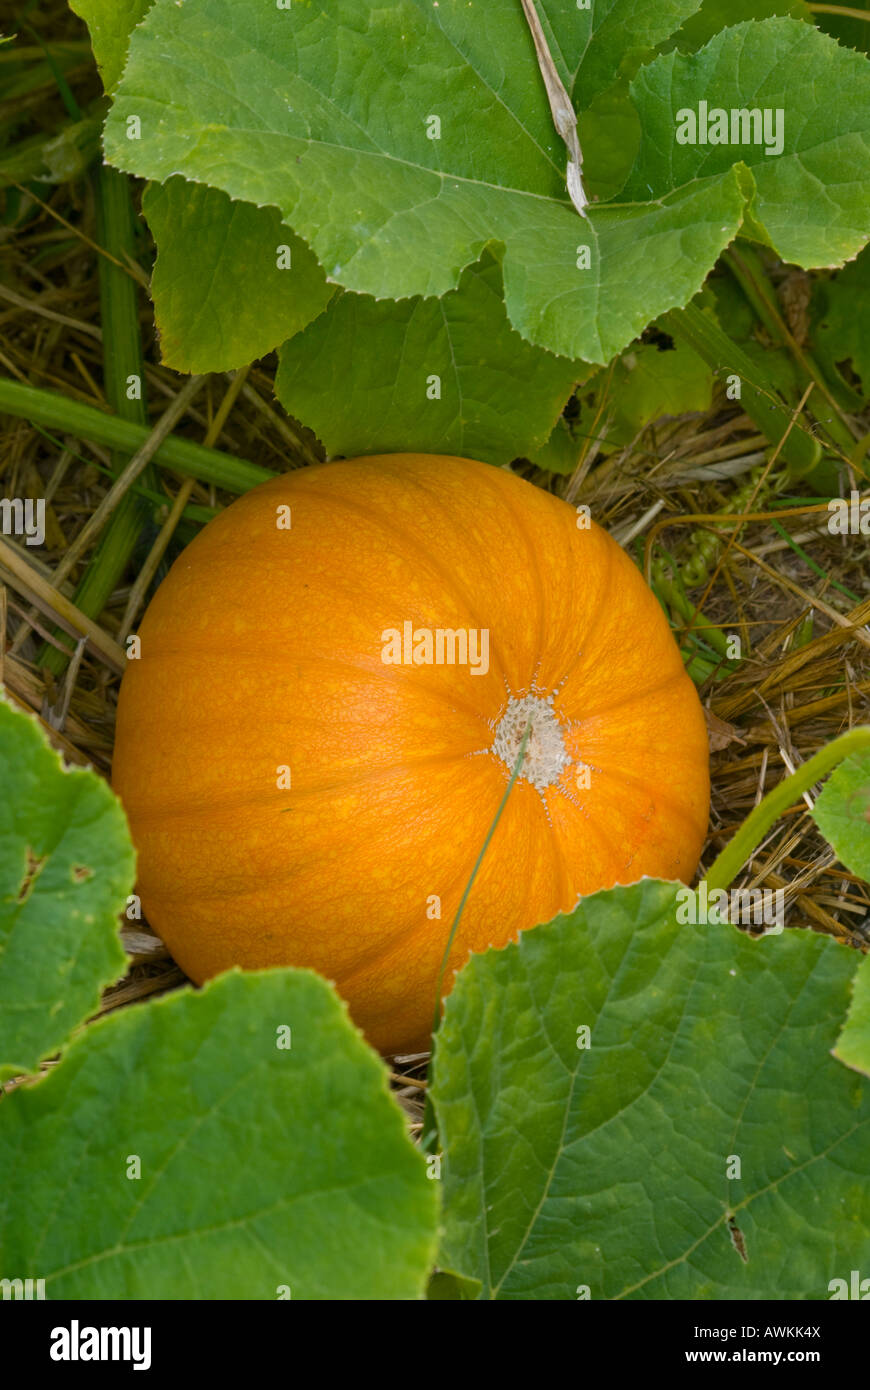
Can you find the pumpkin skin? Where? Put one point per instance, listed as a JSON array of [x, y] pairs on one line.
[[263, 649]]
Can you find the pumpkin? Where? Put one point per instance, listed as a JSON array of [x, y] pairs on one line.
[[334, 682]]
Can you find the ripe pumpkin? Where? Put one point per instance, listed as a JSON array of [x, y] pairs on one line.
[[307, 785]]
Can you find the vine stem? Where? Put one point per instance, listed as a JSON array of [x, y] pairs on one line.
[[725, 868], [58, 412], [430, 1129], [123, 361], [846, 11]]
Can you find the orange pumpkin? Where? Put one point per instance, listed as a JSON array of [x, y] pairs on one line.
[[308, 784]]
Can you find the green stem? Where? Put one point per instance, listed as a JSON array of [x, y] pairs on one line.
[[430, 1128], [690, 614], [119, 307], [193, 512], [699, 669], [58, 412], [753, 830], [845, 11], [122, 360]]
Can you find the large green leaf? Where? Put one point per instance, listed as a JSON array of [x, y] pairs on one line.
[[611, 126], [842, 813], [230, 282], [445, 376], [811, 200], [264, 1168], [590, 45], [66, 868], [324, 112], [608, 1166]]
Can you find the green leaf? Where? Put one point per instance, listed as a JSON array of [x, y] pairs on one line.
[[325, 113], [445, 376], [648, 382], [444, 1287], [731, 309], [221, 298], [853, 1044], [810, 201], [591, 46], [842, 813], [608, 1166], [611, 138], [261, 1166], [66, 868], [560, 453], [840, 334], [110, 23]]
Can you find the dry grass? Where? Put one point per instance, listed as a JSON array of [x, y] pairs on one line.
[[788, 697]]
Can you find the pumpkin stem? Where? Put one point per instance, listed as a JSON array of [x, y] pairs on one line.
[[430, 1130], [547, 755], [753, 830]]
